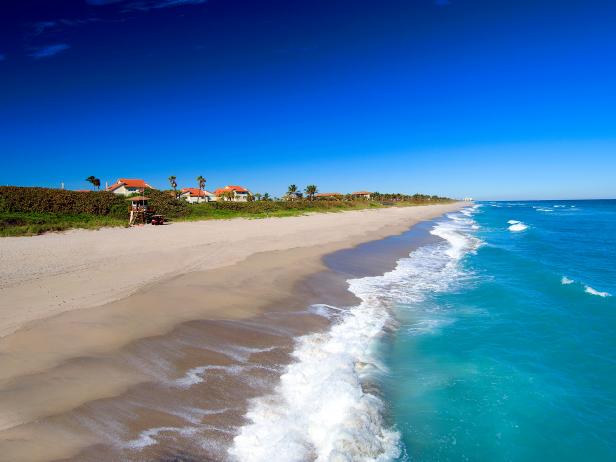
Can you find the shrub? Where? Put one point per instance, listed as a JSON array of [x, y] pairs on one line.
[[46, 200], [260, 207], [164, 203]]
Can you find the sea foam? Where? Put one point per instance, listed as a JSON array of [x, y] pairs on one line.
[[517, 227], [566, 281], [590, 290], [321, 410]]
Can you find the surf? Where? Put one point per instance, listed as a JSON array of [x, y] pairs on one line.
[[327, 405]]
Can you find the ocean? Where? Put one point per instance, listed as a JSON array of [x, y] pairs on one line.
[[495, 341]]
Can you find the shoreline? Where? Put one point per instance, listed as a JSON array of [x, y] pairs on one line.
[[105, 339], [41, 276]]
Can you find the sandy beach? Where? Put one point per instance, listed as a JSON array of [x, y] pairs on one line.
[[115, 328]]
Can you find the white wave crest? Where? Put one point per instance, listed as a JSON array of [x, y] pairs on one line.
[[590, 290], [513, 222], [566, 281], [148, 437], [197, 374], [320, 410], [517, 227], [319, 406]]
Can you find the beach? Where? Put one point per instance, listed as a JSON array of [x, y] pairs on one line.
[[115, 340]]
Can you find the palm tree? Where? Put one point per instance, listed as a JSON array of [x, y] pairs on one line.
[[228, 195], [291, 192], [174, 185], [311, 190], [201, 182], [91, 179], [258, 196], [266, 197]]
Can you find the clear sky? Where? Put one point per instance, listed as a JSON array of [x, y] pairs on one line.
[[483, 98]]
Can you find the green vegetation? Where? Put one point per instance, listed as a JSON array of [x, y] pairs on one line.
[[38, 210], [20, 223], [172, 181], [26, 211], [60, 201], [95, 182], [263, 208], [201, 183], [310, 191]]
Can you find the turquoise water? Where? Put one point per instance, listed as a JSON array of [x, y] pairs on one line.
[[505, 348]]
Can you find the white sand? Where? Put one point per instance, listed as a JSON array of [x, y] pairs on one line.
[[42, 276]]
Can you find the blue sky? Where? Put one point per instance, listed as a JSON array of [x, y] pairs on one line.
[[507, 99]]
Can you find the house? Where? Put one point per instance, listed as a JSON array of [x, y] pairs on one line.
[[329, 195], [362, 195], [292, 196], [233, 193], [196, 195], [128, 186]]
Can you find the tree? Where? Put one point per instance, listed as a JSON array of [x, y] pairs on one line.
[[311, 190], [227, 195], [291, 192], [201, 182], [174, 185], [258, 196], [96, 183], [266, 197]]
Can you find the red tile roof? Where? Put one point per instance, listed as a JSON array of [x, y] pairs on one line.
[[195, 192], [231, 188], [129, 183]]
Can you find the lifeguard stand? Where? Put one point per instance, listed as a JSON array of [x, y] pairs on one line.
[[138, 209]]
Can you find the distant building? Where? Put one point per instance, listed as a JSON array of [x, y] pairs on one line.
[[468, 199], [329, 195], [362, 195], [196, 195], [292, 196], [239, 193], [128, 186]]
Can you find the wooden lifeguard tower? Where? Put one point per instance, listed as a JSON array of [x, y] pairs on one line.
[[138, 210]]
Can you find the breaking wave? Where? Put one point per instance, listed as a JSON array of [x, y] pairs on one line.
[[566, 281], [591, 291], [322, 408], [517, 227]]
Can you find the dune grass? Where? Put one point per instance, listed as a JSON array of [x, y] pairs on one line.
[[24, 224], [275, 209]]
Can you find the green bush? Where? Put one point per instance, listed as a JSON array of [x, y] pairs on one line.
[[165, 203], [277, 208], [45, 200]]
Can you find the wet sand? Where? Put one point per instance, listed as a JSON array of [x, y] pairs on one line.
[[166, 373]]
